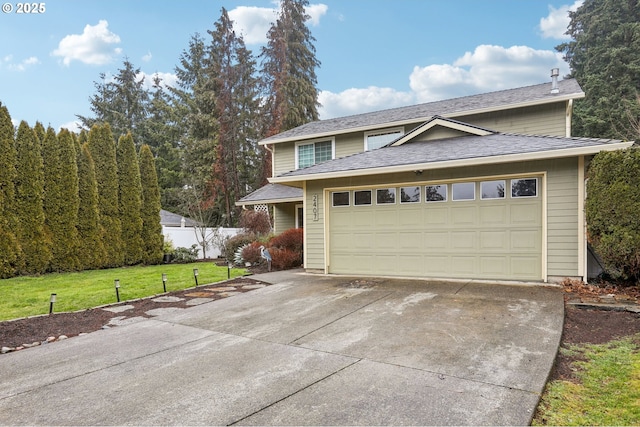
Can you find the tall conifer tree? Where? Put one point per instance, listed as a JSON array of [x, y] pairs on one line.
[[130, 193], [152, 237], [61, 198], [103, 151], [10, 251], [29, 189], [91, 251]]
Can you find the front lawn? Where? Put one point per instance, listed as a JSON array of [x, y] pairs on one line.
[[29, 296], [605, 391]]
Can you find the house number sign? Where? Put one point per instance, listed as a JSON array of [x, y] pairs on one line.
[[314, 205]]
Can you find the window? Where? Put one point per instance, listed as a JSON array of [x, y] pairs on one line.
[[385, 196], [340, 198], [362, 198], [527, 187], [377, 139], [409, 194], [314, 153], [436, 193], [463, 191], [492, 189]]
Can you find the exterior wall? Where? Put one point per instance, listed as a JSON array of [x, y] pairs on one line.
[[284, 217], [284, 159], [560, 190], [537, 120]]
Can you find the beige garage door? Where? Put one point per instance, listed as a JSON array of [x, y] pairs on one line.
[[478, 229]]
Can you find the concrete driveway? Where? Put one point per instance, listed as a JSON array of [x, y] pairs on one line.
[[309, 350]]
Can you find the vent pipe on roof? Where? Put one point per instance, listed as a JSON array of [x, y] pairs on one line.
[[555, 72]]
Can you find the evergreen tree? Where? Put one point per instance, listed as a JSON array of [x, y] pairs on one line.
[[10, 251], [129, 200], [29, 189], [165, 129], [232, 71], [61, 198], [122, 102], [91, 251], [604, 57], [102, 148], [152, 238], [40, 133], [288, 70]]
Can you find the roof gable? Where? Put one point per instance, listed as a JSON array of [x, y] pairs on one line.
[[435, 127]]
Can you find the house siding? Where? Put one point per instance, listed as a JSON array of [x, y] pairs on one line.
[[547, 119], [284, 217], [561, 202]]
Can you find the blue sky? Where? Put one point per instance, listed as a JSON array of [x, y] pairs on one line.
[[374, 54]]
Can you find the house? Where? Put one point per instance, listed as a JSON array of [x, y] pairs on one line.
[[489, 186]]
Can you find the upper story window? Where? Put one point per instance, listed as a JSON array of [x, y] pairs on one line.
[[310, 154], [380, 138]]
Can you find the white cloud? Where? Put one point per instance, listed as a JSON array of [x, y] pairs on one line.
[[488, 68], [166, 79], [22, 65], [147, 57], [94, 46], [356, 101], [555, 24], [253, 22], [73, 126], [316, 11]]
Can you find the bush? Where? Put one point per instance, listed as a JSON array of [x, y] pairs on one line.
[[251, 253], [232, 244], [612, 207], [184, 255], [290, 239], [284, 259], [254, 222]]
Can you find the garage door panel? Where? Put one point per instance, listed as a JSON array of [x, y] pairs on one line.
[[436, 215], [463, 240], [410, 265], [525, 240], [408, 241], [493, 215], [494, 240], [494, 266], [363, 241], [525, 213], [410, 217], [463, 216], [524, 267], [436, 240], [386, 241], [465, 265], [386, 217], [437, 265], [383, 264]]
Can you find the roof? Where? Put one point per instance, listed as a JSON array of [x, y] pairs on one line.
[[170, 219], [456, 107], [272, 193], [452, 152]]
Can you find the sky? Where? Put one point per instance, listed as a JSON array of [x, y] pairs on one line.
[[374, 54]]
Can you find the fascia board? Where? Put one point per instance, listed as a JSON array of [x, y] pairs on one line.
[[269, 201], [501, 107], [508, 158], [472, 130]]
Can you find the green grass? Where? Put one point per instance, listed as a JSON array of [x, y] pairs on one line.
[[29, 296], [607, 391]]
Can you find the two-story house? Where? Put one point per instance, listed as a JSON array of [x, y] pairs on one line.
[[489, 186]]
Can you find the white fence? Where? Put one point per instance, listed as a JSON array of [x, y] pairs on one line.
[[185, 237]]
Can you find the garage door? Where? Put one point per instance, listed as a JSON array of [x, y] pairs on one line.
[[478, 229]]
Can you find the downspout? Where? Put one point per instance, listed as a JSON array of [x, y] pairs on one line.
[[568, 117]]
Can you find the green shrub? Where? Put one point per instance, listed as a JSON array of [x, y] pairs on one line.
[[183, 255], [232, 244], [613, 211]]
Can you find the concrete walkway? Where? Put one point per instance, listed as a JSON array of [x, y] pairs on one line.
[[309, 350]]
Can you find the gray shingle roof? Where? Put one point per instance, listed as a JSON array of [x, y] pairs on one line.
[[540, 93], [449, 149], [171, 219], [271, 192]]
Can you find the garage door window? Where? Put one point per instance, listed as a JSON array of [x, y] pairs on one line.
[[340, 198], [463, 191], [436, 193], [527, 187], [362, 198], [492, 189], [409, 194], [385, 196]]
